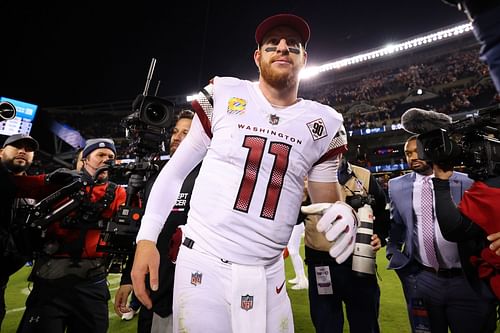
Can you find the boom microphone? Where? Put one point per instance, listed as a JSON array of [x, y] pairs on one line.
[[418, 121]]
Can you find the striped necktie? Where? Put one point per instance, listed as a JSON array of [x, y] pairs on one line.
[[428, 222]]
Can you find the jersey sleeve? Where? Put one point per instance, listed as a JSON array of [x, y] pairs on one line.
[[325, 172], [337, 146], [203, 105]]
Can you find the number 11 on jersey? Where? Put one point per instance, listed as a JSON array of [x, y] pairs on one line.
[[256, 146]]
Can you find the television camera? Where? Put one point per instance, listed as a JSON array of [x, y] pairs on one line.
[[470, 143], [146, 130], [147, 125]]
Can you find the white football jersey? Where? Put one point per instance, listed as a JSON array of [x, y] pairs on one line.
[[249, 190]]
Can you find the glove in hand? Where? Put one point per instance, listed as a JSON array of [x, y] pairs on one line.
[[62, 176], [339, 223], [175, 244], [136, 181]]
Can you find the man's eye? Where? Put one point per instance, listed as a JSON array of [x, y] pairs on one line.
[[273, 41]]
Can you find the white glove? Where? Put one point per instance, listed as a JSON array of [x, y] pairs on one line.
[[339, 223]]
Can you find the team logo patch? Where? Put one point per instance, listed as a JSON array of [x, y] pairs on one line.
[[274, 119], [247, 302], [317, 129], [236, 105], [196, 278]]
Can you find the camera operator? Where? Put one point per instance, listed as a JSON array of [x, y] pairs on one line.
[[468, 224], [69, 276], [159, 317], [485, 17], [16, 156], [358, 291]]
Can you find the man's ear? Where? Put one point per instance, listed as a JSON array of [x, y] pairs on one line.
[[256, 57]]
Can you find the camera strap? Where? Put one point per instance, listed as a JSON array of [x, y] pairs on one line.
[[354, 183]]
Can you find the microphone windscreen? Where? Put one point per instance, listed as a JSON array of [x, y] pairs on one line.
[[418, 121]]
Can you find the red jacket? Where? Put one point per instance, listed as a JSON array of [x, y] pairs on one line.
[[481, 205]]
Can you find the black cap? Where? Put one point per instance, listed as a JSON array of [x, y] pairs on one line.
[[293, 21], [21, 137]]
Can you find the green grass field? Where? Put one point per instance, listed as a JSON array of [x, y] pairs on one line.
[[392, 319], [392, 313]]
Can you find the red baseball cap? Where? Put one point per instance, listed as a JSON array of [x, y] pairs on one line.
[[295, 22]]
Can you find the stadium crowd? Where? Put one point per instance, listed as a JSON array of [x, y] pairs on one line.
[[449, 84]]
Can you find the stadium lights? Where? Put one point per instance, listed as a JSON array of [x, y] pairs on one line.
[[389, 49]]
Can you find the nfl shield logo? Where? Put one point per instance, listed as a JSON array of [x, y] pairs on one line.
[[196, 278], [274, 119], [247, 302]]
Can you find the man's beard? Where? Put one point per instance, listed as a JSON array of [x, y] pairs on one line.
[[423, 170], [16, 167], [275, 79]]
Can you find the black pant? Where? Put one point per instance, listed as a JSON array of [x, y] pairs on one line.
[[360, 294], [145, 320], [76, 308]]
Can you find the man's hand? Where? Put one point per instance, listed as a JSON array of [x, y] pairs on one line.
[[495, 242], [62, 176], [146, 260], [339, 224], [121, 299], [376, 243], [136, 181]]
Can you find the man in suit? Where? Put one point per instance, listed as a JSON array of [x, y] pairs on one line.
[[437, 293]]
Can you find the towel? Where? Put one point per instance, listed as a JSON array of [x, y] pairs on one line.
[[248, 300]]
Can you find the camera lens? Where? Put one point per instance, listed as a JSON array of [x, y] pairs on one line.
[[155, 113], [7, 111], [363, 259]]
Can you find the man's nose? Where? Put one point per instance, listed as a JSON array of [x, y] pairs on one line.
[[175, 138], [282, 46]]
